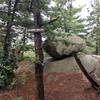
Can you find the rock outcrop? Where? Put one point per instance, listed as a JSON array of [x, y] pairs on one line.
[[69, 64]]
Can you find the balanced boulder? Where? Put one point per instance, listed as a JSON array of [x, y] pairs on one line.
[[63, 46]]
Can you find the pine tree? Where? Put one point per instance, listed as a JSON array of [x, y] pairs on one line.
[[94, 24], [68, 20]]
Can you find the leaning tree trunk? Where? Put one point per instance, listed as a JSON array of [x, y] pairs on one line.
[[38, 51], [94, 84]]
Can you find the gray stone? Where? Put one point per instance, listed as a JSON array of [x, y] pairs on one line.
[[63, 46], [69, 64]]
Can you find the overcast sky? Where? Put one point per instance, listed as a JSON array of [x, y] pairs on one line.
[[85, 3]]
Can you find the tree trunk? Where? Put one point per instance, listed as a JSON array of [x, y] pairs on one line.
[[8, 39], [38, 51], [39, 67], [90, 79], [7, 42], [97, 45], [97, 37]]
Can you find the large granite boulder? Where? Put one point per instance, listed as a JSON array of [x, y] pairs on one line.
[[63, 46]]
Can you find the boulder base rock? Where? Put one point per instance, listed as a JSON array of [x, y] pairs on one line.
[[63, 46], [69, 64]]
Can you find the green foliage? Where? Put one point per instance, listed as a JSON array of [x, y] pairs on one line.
[[6, 76], [18, 98], [67, 43], [1, 55], [28, 47], [89, 50], [29, 55], [23, 78], [97, 30], [94, 24], [68, 19], [94, 17]]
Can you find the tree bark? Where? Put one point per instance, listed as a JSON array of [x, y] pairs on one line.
[[38, 51]]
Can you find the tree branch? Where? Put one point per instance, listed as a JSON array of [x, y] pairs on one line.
[[30, 7], [51, 21], [14, 10]]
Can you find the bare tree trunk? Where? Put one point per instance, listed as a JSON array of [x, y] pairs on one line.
[[38, 51]]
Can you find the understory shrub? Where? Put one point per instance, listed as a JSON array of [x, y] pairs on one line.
[[6, 76]]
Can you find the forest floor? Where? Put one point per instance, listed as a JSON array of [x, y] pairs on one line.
[[58, 86]]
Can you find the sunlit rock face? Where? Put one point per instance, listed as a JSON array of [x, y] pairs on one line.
[[63, 46]]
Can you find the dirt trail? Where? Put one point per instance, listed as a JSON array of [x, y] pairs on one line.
[[68, 85]]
